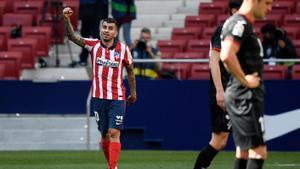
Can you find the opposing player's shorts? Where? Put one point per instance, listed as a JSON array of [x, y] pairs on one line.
[[246, 115], [109, 114], [220, 121]]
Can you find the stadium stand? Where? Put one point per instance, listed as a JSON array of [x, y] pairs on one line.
[[201, 45], [276, 72], [29, 7], [12, 62], [2, 10], [296, 72], [10, 19], [2, 69], [28, 47], [171, 45], [186, 33], [200, 72], [4, 36], [217, 7], [190, 55]]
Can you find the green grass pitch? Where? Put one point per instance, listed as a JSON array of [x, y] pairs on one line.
[[131, 160]]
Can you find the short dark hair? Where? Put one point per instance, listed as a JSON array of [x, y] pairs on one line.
[[235, 4], [111, 20], [146, 30]]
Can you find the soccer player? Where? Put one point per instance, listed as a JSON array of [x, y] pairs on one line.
[[242, 54], [220, 124], [108, 58]]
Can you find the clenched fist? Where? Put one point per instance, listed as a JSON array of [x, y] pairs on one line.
[[67, 12]]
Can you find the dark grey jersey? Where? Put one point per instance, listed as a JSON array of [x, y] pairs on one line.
[[250, 55]]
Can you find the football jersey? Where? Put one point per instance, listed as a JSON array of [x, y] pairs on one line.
[[107, 66], [250, 55], [215, 44]]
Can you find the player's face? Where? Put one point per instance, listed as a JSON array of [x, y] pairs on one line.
[[262, 7], [108, 31]]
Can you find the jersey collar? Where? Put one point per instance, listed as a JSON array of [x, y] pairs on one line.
[[112, 47]]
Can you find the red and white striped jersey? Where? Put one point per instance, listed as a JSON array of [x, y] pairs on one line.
[[107, 64]]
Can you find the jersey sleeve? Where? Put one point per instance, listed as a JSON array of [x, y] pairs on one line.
[[235, 30], [90, 43], [216, 39], [127, 57]]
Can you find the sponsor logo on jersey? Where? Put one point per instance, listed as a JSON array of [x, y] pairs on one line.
[[238, 29], [107, 63]]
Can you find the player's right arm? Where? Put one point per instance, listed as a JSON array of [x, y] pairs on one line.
[[229, 57], [216, 77], [67, 12]]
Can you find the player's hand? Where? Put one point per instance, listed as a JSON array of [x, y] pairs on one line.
[[67, 12], [253, 80], [220, 99], [131, 99]]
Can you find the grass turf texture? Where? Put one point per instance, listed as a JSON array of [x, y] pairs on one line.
[[131, 160]]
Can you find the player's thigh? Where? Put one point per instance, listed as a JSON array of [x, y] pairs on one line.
[[220, 121], [101, 114], [116, 114], [259, 152]]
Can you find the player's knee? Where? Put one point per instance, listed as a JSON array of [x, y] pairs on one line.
[[219, 141], [258, 153], [241, 154], [113, 133]]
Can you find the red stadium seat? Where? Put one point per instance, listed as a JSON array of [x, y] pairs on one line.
[[186, 33], [217, 7], [166, 55], [298, 8], [296, 43], [171, 45], [190, 55], [12, 62], [27, 47], [283, 7], [4, 36], [293, 32], [2, 71], [275, 19], [222, 18], [2, 10], [208, 32], [182, 70], [276, 72], [200, 72], [10, 19], [42, 34], [296, 72], [202, 45], [9, 6], [29, 7], [292, 20], [202, 20], [57, 26]]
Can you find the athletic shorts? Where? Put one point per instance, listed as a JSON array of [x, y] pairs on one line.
[[246, 115], [109, 114], [220, 121]]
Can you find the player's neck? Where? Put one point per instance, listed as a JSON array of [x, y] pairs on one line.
[[108, 44], [246, 11]]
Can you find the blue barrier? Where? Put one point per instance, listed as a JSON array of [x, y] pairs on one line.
[[174, 113]]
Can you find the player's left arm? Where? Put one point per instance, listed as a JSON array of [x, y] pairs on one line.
[[132, 85]]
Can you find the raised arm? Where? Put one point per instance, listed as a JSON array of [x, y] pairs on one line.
[[67, 13], [131, 80]]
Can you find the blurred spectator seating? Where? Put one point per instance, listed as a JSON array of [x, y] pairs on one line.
[[296, 72], [42, 34], [186, 33], [10, 19], [216, 7], [200, 72], [12, 62], [171, 45], [198, 45], [4, 36], [201, 20], [28, 47], [276, 72]]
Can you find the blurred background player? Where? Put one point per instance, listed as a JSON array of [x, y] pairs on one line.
[[108, 58], [220, 123], [124, 11], [91, 12], [242, 53]]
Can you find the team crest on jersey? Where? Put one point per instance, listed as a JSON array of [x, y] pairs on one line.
[[117, 55], [107, 63], [238, 29]]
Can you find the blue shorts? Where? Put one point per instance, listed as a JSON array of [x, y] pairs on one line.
[[109, 114]]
